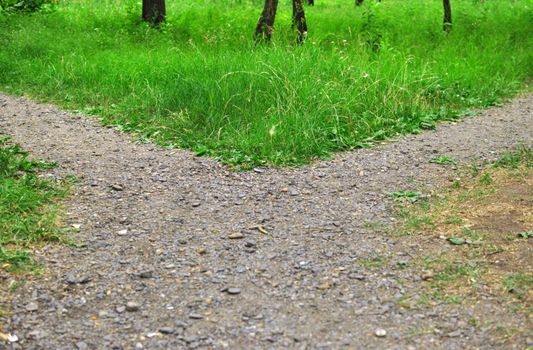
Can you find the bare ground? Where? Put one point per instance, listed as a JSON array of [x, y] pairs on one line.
[[161, 229]]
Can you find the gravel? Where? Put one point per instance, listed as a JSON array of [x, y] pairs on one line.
[[171, 230]]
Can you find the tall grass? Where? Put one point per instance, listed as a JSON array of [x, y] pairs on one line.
[[199, 82]]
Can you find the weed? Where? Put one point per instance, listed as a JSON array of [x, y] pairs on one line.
[[518, 284], [512, 160], [485, 179], [28, 212], [411, 196], [373, 262], [525, 235], [443, 160]]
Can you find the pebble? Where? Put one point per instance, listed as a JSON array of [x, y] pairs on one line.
[[250, 243], [234, 291], [132, 306], [293, 192], [324, 286], [81, 345], [356, 276], [32, 307], [146, 274], [121, 309], [380, 332], [122, 232], [117, 187], [454, 334], [166, 330], [236, 235], [196, 316], [427, 275], [196, 204]]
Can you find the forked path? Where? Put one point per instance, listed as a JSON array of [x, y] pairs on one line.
[[161, 229]]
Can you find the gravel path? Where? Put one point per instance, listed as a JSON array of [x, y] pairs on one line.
[[181, 253]]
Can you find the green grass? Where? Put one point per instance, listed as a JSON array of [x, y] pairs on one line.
[[28, 209], [443, 160], [365, 74]]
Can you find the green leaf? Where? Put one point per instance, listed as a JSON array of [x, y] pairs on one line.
[[456, 241]]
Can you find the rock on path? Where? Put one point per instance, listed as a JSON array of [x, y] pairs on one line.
[[158, 269]]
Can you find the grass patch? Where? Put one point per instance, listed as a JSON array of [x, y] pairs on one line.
[[28, 206], [480, 234], [364, 75], [443, 160]]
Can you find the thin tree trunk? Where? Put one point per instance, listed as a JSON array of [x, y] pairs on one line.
[[298, 20], [265, 26], [447, 23], [311, 2], [154, 11], [358, 2]]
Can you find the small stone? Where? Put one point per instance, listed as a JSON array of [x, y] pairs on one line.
[[250, 243], [427, 275], [122, 233], [236, 235], [117, 187], [356, 276], [293, 192], [196, 204], [146, 274], [166, 330], [259, 170], [380, 332], [120, 309], [201, 251], [81, 345], [181, 324], [132, 306], [234, 291], [195, 316], [32, 307], [324, 286], [71, 279], [454, 334]]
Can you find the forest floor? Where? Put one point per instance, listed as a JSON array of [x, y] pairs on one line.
[[176, 251]]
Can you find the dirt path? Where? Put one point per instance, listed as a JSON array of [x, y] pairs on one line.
[[162, 229]]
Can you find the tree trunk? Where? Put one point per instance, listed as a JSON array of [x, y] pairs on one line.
[[447, 23], [154, 11], [358, 2], [298, 20], [265, 26]]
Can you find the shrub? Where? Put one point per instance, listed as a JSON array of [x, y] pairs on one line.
[[24, 5]]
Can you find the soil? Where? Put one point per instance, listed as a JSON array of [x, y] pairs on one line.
[[178, 252]]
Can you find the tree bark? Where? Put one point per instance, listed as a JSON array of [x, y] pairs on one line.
[[447, 23], [265, 25], [154, 11], [298, 20]]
